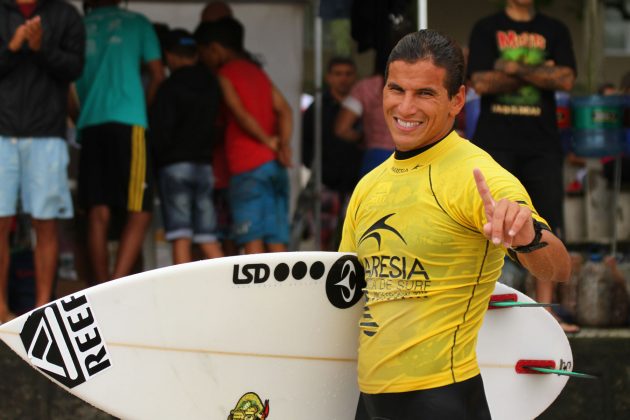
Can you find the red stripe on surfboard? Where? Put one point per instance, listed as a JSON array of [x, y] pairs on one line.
[[523, 365], [508, 297]]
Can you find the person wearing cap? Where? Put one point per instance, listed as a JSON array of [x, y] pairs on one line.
[[182, 136]]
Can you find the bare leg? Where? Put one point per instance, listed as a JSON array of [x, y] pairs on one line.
[[46, 256], [544, 294], [131, 242], [276, 247], [5, 227], [544, 291], [229, 247], [98, 224], [254, 247], [212, 249], [181, 250]]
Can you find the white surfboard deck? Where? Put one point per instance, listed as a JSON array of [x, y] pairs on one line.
[[274, 333]]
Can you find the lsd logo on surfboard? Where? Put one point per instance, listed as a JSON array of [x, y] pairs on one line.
[[250, 407], [345, 282], [260, 273], [63, 341]]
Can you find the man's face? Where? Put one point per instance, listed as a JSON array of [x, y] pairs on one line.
[[210, 55], [340, 78], [416, 105]]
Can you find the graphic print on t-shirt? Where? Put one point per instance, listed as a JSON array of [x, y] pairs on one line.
[[525, 48]]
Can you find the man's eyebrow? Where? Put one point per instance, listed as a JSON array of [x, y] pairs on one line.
[[394, 85], [426, 90]]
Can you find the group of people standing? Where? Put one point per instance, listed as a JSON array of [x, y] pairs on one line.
[[139, 132]]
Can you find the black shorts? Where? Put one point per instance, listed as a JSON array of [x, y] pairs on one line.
[[541, 175], [459, 401], [115, 168]]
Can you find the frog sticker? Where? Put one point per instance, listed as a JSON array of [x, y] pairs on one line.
[[250, 407]]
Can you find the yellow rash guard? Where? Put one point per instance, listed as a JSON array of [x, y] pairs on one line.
[[416, 225]]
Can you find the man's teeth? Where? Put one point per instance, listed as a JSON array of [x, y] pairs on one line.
[[408, 124]]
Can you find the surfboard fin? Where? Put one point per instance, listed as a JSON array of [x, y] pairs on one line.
[[545, 367], [510, 300], [563, 372], [497, 305]]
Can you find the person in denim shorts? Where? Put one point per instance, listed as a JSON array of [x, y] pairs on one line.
[[42, 47], [257, 136], [183, 130]]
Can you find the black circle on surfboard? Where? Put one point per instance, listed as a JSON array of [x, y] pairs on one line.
[[317, 270], [281, 272], [299, 270], [345, 282]]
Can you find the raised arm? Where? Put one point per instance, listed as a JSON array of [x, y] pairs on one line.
[[511, 225], [63, 58]]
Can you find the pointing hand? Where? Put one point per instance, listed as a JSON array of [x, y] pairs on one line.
[[508, 222]]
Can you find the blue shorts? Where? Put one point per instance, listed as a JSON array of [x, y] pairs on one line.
[[37, 169], [259, 200], [186, 198]]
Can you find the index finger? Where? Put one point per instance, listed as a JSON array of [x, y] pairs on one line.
[[484, 191]]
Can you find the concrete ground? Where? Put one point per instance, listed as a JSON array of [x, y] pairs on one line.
[[26, 394]]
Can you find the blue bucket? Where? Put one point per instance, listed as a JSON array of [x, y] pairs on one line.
[[598, 125]]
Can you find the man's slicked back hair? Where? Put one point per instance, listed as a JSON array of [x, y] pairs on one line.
[[428, 44]]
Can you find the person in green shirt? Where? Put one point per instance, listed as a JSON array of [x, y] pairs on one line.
[[114, 170]]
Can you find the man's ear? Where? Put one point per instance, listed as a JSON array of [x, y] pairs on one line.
[[458, 101]]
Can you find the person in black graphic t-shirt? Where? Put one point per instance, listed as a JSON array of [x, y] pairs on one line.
[[518, 59]]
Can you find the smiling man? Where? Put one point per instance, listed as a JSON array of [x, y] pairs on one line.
[[431, 226]]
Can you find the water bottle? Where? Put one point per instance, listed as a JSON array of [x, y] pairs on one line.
[[593, 299]]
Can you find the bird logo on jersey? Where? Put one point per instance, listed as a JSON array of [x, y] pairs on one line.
[[380, 225]]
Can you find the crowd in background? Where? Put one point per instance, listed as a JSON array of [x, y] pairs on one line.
[[201, 125]]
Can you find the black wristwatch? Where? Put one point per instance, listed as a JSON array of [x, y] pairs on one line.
[[535, 243]]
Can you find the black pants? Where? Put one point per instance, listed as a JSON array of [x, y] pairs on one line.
[[459, 401]]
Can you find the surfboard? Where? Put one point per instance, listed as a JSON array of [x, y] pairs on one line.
[[510, 340], [269, 336]]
